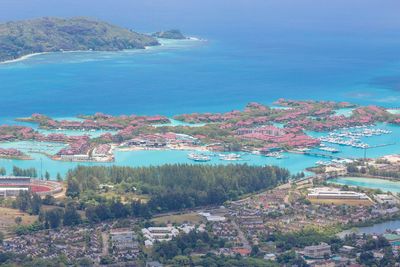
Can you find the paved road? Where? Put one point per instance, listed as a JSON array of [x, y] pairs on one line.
[[241, 236]]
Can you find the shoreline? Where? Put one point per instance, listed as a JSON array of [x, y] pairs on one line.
[[25, 57], [25, 157], [180, 148], [22, 58], [366, 176]]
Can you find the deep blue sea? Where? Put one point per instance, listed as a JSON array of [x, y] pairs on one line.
[[218, 73], [201, 76]]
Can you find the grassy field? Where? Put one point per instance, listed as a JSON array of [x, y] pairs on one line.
[[179, 219], [350, 202], [7, 219]]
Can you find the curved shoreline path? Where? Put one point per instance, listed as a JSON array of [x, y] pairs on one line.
[[54, 57]]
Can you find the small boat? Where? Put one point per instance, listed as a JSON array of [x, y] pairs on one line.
[[198, 157], [277, 155], [231, 156], [322, 163], [329, 149]]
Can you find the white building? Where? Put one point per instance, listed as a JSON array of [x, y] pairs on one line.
[[123, 239], [386, 198], [270, 257], [11, 191], [212, 218], [334, 193], [153, 234]]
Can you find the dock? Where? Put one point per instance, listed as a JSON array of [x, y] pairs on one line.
[[323, 155], [320, 155]]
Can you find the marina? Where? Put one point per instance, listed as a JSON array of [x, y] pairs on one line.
[[351, 137], [201, 134], [295, 162]]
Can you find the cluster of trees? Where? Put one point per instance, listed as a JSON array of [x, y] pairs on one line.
[[375, 243], [26, 229], [13, 259], [30, 172], [290, 258], [179, 186], [371, 170], [177, 252], [367, 257], [115, 209], [223, 261], [384, 173], [300, 239], [185, 244], [28, 202], [53, 218]]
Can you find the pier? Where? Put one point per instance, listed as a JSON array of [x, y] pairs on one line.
[[376, 146], [319, 154], [323, 155]]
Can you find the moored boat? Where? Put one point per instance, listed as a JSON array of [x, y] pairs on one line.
[[198, 157], [230, 157]]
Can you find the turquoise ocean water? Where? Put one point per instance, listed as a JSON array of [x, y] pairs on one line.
[[209, 75], [384, 185]]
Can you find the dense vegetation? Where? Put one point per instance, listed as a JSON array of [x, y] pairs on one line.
[[55, 34], [30, 172], [12, 260], [185, 244], [28, 202], [178, 186], [306, 237], [171, 34], [179, 251], [48, 218], [360, 168], [220, 261]]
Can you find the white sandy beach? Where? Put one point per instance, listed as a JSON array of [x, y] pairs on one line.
[[23, 58], [162, 44]]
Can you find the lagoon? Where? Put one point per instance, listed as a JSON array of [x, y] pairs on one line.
[[378, 229], [219, 74], [373, 183], [295, 163]]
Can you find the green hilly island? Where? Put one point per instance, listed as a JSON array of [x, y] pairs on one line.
[[20, 38]]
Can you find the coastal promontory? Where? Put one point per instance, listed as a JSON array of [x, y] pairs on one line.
[[40, 35], [170, 34]]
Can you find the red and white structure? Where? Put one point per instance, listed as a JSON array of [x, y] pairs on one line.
[[10, 186]]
